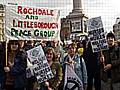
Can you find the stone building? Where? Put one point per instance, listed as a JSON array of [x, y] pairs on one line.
[[2, 22], [75, 23]]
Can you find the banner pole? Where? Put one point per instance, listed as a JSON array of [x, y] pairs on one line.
[[6, 62]]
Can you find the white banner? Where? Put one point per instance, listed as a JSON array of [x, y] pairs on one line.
[[72, 81], [31, 23], [41, 69], [97, 34]]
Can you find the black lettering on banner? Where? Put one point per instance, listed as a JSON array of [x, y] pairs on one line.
[[39, 33], [96, 49], [42, 70], [44, 78], [43, 65], [36, 68], [73, 84], [36, 32], [31, 17], [95, 42], [102, 41], [15, 32], [35, 62], [96, 32]]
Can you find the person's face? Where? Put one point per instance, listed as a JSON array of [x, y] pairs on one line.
[[14, 46], [49, 55], [21, 43], [71, 50], [110, 41], [43, 44], [53, 43]]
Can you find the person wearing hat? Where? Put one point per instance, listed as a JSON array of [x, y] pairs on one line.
[[110, 61]]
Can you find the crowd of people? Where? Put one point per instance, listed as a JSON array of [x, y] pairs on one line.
[[96, 70]]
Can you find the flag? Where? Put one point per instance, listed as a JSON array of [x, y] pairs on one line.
[[71, 81]]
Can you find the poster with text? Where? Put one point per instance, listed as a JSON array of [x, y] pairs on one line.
[[32, 23], [96, 34], [41, 68]]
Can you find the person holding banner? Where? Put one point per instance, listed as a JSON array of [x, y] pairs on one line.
[[56, 68], [16, 66], [12, 49], [110, 60], [77, 64], [2, 59], [93, 67], [18, 71]]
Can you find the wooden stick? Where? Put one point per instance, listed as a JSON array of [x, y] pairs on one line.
[[6, 62]]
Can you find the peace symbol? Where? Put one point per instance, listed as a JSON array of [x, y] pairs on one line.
[[72, 85]]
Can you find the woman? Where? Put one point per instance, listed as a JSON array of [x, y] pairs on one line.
[[2, 59], [56, 68], [77, 63], [16, 66], [12, 49]]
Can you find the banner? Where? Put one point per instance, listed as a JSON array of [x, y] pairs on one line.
[[72, 81], [31, 23], [97, 34], [41, 69]]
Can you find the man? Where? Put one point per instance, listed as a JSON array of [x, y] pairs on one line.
[[111, 65], [93, 67]]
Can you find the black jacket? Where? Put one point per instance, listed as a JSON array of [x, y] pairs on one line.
[[112, 56], [2, 61], [19, 69]]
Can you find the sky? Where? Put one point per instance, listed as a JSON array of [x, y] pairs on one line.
[[107, 9]]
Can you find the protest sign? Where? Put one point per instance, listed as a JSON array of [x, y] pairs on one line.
[[71, 81], [31, 23], [97, 34], [41, 69]]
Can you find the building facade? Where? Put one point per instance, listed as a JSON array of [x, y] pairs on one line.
[[2, 22], [75, 23]]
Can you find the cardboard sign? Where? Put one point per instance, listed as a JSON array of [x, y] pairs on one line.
[[97, 34], [41, 69]]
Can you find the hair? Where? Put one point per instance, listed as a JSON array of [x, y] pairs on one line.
[[110, 34], [74, 45], [53, 51], [11, 42]]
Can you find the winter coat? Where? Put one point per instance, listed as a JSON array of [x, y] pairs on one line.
[[19, 69], [2, 59], [112, 57]]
